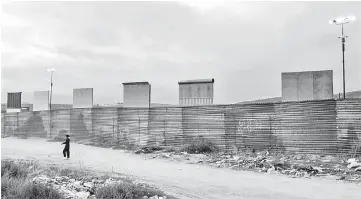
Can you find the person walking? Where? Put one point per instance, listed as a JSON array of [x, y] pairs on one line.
[[66, 151]]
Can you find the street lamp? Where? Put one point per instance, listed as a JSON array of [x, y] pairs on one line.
[[51, 93], [51, 85], [341, 21]]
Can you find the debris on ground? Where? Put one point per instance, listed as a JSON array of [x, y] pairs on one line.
[[296, 166], [80, 188], [150, 149], [73, 183]]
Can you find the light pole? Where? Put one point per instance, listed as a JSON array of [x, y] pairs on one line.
[[51, 94], [341, 21]]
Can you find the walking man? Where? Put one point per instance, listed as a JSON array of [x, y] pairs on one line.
[[66, 151]]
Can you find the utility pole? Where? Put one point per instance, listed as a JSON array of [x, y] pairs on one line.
[[343, 60], [342, 21], [51, 94]]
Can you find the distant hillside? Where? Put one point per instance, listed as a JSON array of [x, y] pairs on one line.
[[352, 94]]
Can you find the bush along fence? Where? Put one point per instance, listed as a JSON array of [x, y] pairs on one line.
[[325, 127]]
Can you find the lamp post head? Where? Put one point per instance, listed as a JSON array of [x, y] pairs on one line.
[[50, 70], [342, 20], [332, 21], [351, 18]]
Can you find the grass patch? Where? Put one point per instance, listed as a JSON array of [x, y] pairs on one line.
[[10, 187], [31, 190], [126, 191], [15, 183], [10, 169], [200, 145]]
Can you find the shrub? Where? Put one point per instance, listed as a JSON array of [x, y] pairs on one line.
[[14, 183], [38, 191], [201, 145], [13, 170], [10, 187], [125, 191], [73, 173]]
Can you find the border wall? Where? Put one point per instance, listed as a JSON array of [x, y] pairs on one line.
[[321, 126]]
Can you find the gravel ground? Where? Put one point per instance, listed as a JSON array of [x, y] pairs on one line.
[[182, 180]]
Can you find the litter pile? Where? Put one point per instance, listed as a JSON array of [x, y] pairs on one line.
[[292, 165], [80, 189]]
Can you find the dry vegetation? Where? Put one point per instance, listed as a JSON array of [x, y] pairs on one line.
[[28, 180]]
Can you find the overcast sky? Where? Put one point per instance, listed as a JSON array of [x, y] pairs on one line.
[[243, 45]]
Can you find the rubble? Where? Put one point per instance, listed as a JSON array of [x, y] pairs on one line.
[[150, 149], [353, 163], [296, 166], [79, 189]]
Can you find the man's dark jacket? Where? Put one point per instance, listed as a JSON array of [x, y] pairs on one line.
[[67, 143]]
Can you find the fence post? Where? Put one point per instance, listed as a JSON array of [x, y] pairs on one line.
[[139, 125], [17, 124], [164, 127], [113, 127], [235, 131], [270, 132], [4, 130], [49, 124]]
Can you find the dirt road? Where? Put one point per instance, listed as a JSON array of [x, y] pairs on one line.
[[182, 180]]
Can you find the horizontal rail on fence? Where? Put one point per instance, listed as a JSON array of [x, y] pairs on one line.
[[319, 126]]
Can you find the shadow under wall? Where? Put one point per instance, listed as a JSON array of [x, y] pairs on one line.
[[33, 126], [350, 142], [77, 126]]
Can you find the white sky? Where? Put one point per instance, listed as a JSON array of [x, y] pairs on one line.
[[243, 45]]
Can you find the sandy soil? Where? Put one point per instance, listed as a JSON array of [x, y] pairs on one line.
[[182, 180]]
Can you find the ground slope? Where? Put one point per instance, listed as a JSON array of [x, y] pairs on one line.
[[182, 180]]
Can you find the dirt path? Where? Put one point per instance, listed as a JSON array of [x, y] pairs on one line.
[[183, 180]]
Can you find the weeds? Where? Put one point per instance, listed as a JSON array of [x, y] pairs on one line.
[[31, 190], [14, 182], [125, 191], [12, 170], [201, 145], [10, 187]]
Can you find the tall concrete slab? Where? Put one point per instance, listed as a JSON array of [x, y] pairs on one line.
[[41, 100], [307, 85], [323, 84], [289, 86], [136, 94], [13, 104], [196, 92], [83, 98]]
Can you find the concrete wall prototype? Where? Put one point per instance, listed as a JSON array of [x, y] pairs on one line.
[[13, 104], [308, 85], [83, 98], [41, 100], [196, 92], [136, 94]]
